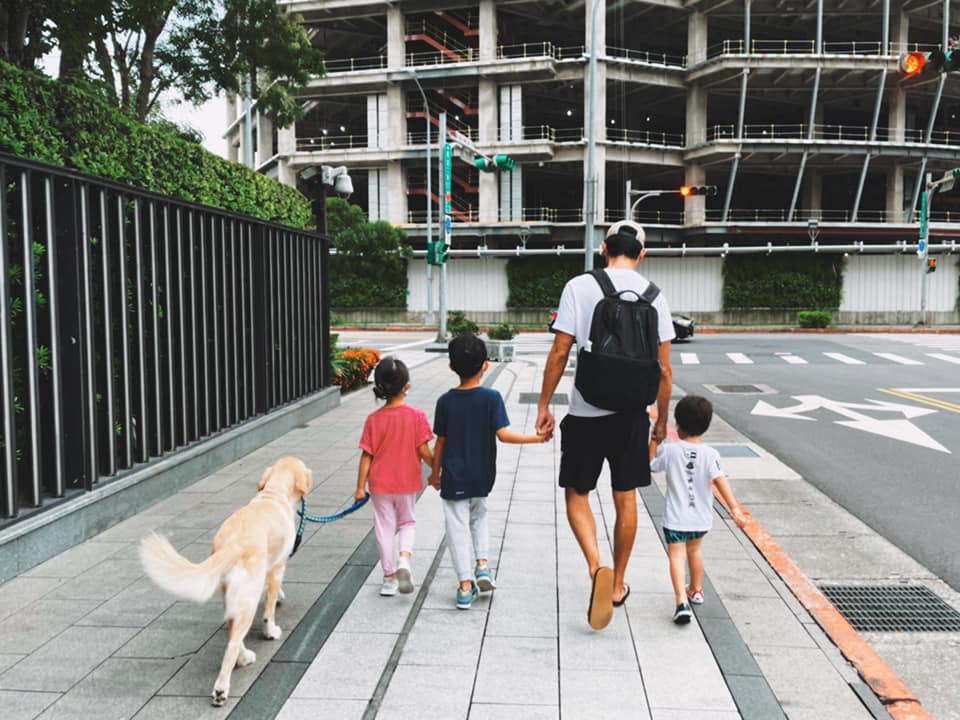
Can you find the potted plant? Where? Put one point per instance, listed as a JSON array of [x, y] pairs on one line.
[[500, 345]]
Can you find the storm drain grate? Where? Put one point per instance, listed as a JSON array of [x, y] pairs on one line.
[[754, 389], [533, 398], [893, 608]]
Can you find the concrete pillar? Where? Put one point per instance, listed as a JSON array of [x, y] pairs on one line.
[[488, 134], [696, 37], [895, 194], [286, 146], [264, 139], [897, 117], [511, 195], [396, 38], [694, 207], [696, 128], [395, 130], [812, 189], [899, 27], [396, 196], [488, 30]]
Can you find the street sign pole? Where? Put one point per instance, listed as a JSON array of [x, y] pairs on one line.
[[447, 172], [923, 244]]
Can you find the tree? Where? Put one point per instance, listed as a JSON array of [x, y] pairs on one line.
[[139, 49], [369, 268]]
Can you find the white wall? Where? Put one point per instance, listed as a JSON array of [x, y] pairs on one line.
[[892, 282], [690, 284], [472, 284]]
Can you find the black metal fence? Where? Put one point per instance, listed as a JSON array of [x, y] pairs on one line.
[[134, 325]]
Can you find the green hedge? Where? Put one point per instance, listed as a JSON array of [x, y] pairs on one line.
[[537, 281], [73, 126], [782, 281]]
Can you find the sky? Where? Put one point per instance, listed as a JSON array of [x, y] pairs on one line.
[[209, 119]]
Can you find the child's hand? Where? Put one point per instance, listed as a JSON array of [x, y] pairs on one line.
[[545, 437], [359, 495], [738, 517], [434, 481]]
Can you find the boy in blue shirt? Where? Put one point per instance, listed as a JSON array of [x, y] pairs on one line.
[[468, 422]]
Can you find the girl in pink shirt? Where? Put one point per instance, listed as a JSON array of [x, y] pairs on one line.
[[395, 440]]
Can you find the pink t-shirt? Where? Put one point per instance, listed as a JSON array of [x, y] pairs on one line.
[[392, 435]]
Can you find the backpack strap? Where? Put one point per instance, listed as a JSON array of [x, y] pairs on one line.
[[604, 281], [650, 294]]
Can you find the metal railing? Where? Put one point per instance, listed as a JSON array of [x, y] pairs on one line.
[[828, 132], [134, 325], [332, 142], [809, 47], [527, 50], [644, 137], [349, 65], [448, 40], [660, 59]]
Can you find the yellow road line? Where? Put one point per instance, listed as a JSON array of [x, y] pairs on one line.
[[925, 399]]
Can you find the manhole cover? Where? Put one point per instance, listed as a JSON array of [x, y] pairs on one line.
[[532, 398], [893, 608]]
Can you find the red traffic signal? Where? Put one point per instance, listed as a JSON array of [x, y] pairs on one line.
[[931, 264], [913, 64], [688, 190]]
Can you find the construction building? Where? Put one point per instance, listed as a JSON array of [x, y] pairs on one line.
[[796, 110]]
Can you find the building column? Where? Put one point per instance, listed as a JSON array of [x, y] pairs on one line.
[[696, 38], [396, 195], [895, 194], [812, 189], [286, 147], [600, 112], [487, 136], [396, 38], [488, 30], [394, 134], [695, 206], [264, 139]]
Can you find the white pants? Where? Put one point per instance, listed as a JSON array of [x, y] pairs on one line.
[[467, 525]]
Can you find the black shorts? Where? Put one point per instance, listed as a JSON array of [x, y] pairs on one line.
[[622, 439]]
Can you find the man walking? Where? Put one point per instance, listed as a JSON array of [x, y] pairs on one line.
[[590, 434]]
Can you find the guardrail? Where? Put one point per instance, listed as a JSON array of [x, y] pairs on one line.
[[644, 137], [660, 59], [133, 325], [821, 132], [808, 46], [332, 142]]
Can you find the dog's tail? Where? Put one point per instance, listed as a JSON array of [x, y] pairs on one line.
[[172, 572]]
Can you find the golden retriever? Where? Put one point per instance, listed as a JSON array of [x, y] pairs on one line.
[[249, 550]]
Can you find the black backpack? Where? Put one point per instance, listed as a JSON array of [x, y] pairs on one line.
[[621, 371]]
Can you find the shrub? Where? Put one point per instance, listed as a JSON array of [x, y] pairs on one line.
[[352, 367], [459, 324], [503, 331], [814, 318], [782, 281], [73, 125]]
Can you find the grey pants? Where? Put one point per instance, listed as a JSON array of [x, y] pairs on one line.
[[466, 522]]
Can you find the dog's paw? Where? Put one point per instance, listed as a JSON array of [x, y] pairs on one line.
[[219, 697], [271, 632], [245, 657]]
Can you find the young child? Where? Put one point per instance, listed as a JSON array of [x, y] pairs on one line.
[[468, 422], [692, 469], [395, 439]]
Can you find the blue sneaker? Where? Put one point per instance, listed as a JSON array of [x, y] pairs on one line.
[[465, 598], [484, 578]]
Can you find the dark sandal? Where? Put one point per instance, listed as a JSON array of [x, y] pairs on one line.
[[626, 594]]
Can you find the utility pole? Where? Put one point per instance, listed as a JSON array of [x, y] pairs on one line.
[[931, 186], [429, 319], [446, 172]]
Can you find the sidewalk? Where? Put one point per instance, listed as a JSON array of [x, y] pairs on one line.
[[87, 636]]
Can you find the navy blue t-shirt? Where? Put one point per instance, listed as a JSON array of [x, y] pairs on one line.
[[469, 420]]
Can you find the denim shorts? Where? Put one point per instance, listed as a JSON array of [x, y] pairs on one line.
[[681, 536]]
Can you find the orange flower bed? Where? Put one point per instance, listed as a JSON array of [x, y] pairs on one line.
[[352, 367]]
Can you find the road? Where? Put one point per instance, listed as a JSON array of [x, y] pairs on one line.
[[872, 420]]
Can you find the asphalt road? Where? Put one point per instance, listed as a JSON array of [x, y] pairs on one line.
[[872, 420], [882, 434]]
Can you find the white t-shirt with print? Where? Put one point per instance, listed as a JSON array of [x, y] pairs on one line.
[[575, 313], [691, 469]]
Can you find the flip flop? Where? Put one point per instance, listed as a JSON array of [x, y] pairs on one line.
[[601, 602], [626, 594]]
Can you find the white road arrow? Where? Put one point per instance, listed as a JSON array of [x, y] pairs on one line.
[[898, 429]]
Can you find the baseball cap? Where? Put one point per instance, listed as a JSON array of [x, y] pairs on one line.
[[628, 230]]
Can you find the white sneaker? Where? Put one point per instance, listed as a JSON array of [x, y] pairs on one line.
[[404, 576], [389, 587]]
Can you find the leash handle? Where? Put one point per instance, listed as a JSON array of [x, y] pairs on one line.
[[330, 518]]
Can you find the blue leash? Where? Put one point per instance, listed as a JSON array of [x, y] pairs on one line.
[[304, 516]]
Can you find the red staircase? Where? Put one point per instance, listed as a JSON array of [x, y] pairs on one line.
[[468, 28], [443, 42]]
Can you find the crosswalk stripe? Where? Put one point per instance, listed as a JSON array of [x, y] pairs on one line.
[[792, 359], [948, 358], [689, 358], [898, 359], [844, 358], [740, 358]]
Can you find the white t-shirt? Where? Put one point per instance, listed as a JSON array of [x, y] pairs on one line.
[[691, 469], [575, 313]]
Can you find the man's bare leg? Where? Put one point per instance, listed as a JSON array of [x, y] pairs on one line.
[[624, 533], [584, 527]]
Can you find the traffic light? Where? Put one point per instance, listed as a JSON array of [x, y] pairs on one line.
[[931, 265], [497, 162], [917, 64], [689, 190], [436, 252]]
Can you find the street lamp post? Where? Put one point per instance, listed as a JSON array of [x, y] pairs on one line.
[[430, 319], [590, 181]]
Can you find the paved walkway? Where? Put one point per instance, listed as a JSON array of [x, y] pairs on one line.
[[85, 635]]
